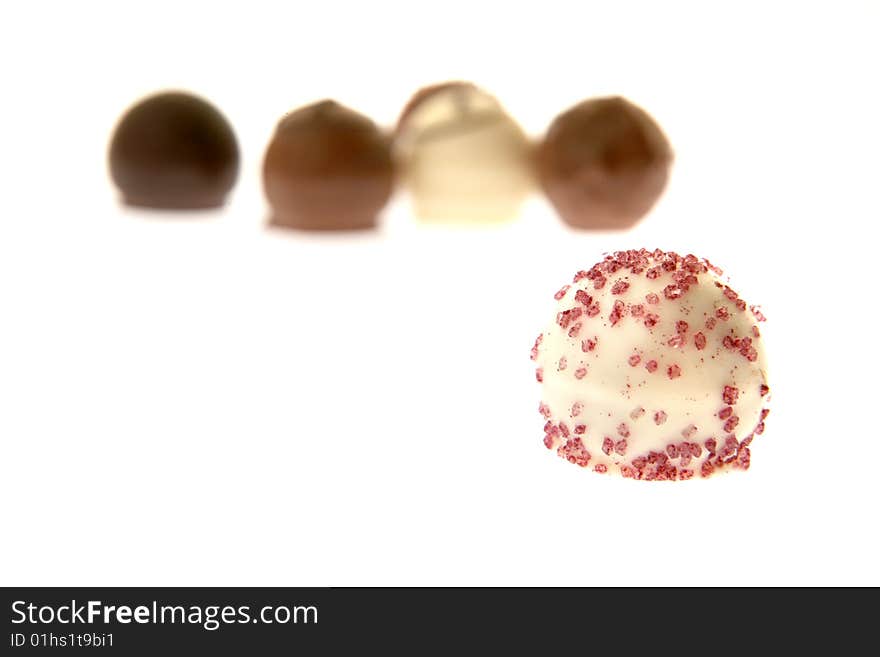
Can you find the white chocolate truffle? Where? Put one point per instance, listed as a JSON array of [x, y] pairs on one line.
[[461, 156], [652, 369]]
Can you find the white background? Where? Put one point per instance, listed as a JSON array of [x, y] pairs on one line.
[[204, 401]]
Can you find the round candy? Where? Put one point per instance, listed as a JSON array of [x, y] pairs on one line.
[[604, 163], [327, 168], [653, 368], [175, 151], [462, 156]]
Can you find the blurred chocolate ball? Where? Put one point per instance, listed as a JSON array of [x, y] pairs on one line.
[[462, 157], [327, 168], [604, 163], [174, 150]]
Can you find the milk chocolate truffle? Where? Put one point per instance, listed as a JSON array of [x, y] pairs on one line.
[[653, 368], [604, 163], [174, 150], [462, 157], [327, 168]]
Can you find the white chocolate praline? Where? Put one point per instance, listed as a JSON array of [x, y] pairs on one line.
[[462, 157], [653, 368]]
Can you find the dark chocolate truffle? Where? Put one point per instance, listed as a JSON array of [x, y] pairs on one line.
[[604, 163], [327, 168], [174, 150]]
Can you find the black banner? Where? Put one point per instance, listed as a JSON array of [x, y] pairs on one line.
[[135, 621]]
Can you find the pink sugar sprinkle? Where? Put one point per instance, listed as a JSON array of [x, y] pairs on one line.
[[538, 340], [574, 452], [730, 394], [672, 292], [676, 341], [582, 297], [617, 312]]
